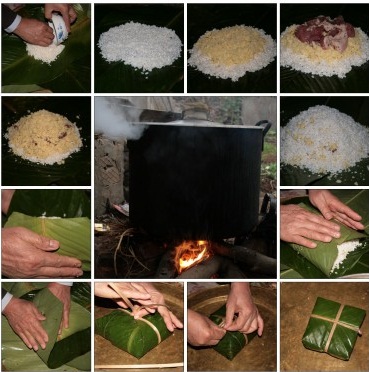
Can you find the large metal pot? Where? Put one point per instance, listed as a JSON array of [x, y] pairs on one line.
[[193, 179]]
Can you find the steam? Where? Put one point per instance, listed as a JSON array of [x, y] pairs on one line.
[[114, 120]]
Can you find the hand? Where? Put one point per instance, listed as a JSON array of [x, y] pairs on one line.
[[66, 10], [35, 32], [332, 208], [202, 331], [25, 320], [25, 254], [6, 198], [134, 291], [240, 303], [171, 321], [299, 225], [62, 292]]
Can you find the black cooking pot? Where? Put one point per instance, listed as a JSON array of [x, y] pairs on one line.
[[193, 179]]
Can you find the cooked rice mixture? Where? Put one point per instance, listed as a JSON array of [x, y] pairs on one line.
[[323, 140], [343, 250], [230, 52], [141, 46], [44, 54], [44, 137], [311, 58]]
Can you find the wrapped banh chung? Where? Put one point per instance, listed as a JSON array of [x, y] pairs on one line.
[[135, 336], [333, 328], [233, 342]]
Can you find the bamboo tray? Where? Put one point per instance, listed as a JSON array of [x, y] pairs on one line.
[[259, 355], [169, 351]]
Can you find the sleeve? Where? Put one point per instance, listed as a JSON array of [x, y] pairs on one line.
[[5, 299], [9, 19]]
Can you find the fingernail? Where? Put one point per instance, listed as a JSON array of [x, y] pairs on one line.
[[337, 235], [53, 243], [327, 239], [79, 273]]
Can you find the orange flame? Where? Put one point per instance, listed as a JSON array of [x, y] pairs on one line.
[[190, 253]]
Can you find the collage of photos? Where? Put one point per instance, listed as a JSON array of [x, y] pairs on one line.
[[185, 186]]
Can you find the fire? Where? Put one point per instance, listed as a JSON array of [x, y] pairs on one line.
[[190, 253]]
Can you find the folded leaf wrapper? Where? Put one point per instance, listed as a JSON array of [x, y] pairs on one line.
[[333, 328], [71, 349], [135, 336], [73, 234], [233, 342]]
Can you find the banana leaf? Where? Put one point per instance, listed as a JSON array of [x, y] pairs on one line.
[[315, 264], [76, 169], [117, 77], [73, 234], [358, 109], [57, 203], [136, 337], [206, 17], [357, 80], [69, 73], [233, 342], [333, 328], [69, 350]]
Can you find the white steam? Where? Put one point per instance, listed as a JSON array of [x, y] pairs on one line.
[[114, 120]]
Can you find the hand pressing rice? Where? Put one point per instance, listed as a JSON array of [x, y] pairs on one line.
[[324, 47], [323, 140], [231, 52], [44, 137]]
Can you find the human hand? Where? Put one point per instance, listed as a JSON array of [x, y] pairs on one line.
[[35, 32], [157, 298], [25, 320], [332, 208], [62, 292], [25, 254], [299, 226], [240, 303], [202, 331], [66, 10], [134, 291]]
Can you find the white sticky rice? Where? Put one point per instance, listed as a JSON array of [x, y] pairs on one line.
[[231, 52], [316, 60], [44, 137], [141, 46], [323, 140], [343, 250], [44, 54]]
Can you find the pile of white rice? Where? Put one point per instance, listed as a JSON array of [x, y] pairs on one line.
[[323, 140], [231, 52], [44, 54], [343, 250], [141, 46], [311, 58], [44, 137]]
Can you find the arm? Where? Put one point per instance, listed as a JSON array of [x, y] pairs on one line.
[[299, 226], [332, 208], [202, 331], [240, 303], [25, 254]]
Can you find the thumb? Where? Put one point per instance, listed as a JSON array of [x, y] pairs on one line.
[[229, 317], [38, 314], [326, 212], [40, 242]]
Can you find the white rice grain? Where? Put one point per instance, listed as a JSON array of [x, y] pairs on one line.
[[141, 46], [343, 250], [323, 140], [44, 54]]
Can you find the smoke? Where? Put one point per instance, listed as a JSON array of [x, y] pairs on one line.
[[114, 120]]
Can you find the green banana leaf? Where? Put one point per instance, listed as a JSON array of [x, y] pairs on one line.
[[135, 337], [57, 203], [343, 338], [69, 73], [71, 347], [358, 109], [357, 80], [117, 77], [76, 170], [73, 234], [206, 17], [233, 342], [317, 263]]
